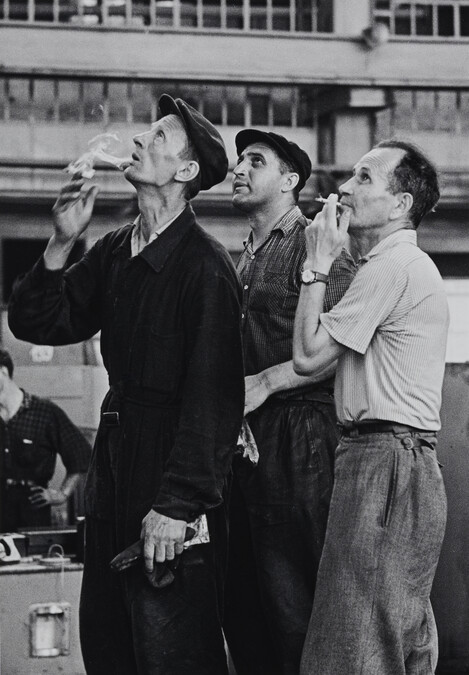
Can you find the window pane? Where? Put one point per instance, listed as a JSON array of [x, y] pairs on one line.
[[93, 102], [44, 100], [43, 10], [236, 103], [19, 10], [425, 110], [194, 94], [424, 19], [189, 13], [69, 101], [142, 96], [464, 111], [303, 16], [464, 21], [305, 110], [234, 14], [213, 97], [18, 96], [402, 20], [212, 14], [446, 111], [164, 12], [259, 109], [259, 14], [281, 14], [117, 96], [382, 4], [445, 20], [325, 22], [403, 109], [282, 100], [3, 96]]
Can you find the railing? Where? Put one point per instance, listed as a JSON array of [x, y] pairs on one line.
[[447, 18], [246, 15]]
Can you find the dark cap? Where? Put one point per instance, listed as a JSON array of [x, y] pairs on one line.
[[205, 138], [287, 150]]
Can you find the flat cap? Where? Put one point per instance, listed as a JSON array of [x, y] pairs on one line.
[[205, 138], [287, 150]]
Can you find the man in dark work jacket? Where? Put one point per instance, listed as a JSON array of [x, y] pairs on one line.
[[166, 298]]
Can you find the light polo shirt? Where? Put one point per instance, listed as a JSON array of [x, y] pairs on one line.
[[394, 320]]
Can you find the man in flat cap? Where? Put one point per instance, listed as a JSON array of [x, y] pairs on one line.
[[166, 298], [280, 504]]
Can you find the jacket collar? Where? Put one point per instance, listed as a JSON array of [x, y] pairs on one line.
[[158, 251]]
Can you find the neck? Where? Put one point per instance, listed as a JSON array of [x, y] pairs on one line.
[[362, 241], [157, 207], [264, 220], [11, 399]]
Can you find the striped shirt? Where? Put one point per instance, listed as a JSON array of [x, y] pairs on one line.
[[394, 320], [271, 278]]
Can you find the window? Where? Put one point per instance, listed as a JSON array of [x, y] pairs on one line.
[[69, 100], [19, 99], [444, 18], [117, 98], [44, 101]]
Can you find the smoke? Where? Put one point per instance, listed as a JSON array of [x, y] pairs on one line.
[[101, 148]]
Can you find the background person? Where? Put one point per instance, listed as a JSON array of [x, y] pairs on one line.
[[372, 611], [33, 431], [278, 508], [165, 296]]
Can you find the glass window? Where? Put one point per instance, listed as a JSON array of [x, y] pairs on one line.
[[325, 22], [425, 110], [235, 105], [188, 15], [258, 14], [141, 12], [445, 20], [403, 108], [464, 111], [304, 16], [402, 20], [19, 98], [281, 14], [382, 4], [234, 14], [213, 99], [69, 101], [93, 101], [259, 109], [44, 100], [3, 97], [464, 21], [306, 109], [18, 10], [117, 97], [211, 14], [282, 102], [446, 111], [142, 99], [424, 19]]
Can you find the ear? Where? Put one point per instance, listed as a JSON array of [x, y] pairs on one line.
[[187, 171], [290, 182], [404, 203]]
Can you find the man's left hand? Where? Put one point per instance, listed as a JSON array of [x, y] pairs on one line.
[[257, 391], [162, 537], [41, 497]]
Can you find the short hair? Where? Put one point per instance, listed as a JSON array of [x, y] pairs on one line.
[[287, 167], [416, 175], [192, 187], [6, 360]]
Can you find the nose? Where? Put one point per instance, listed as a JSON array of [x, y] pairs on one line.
[[346, 188], [239, 168], [139, 139]]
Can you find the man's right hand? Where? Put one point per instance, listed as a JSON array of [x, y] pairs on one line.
[[73, 210]]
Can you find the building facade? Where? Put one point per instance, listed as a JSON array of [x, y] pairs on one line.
[[334, 75]]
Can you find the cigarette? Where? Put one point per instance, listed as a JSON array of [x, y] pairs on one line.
[[323, 200]]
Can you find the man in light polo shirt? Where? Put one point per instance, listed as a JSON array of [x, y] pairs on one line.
[[372, 613]]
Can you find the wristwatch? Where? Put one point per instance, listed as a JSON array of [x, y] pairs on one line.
[[312, 277]]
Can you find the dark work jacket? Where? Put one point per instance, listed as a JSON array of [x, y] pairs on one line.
[[170, 339]]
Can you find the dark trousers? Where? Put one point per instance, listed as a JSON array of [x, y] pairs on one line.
[[278, 516], [17, 510], [127, 627]]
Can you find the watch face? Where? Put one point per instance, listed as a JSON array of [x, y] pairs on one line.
[[308, 276]]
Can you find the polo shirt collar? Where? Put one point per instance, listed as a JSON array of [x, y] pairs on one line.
[[400, 236], [285, 225]]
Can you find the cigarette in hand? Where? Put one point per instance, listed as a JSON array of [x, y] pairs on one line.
[[323, 200]]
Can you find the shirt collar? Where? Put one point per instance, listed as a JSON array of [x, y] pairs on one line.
[[403, 235], [284, 225]]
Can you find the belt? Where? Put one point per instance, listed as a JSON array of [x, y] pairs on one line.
[[11, 482], [360, 428]]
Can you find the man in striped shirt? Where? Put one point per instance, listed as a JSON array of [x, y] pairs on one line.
[[372, 612], [281, 504]]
